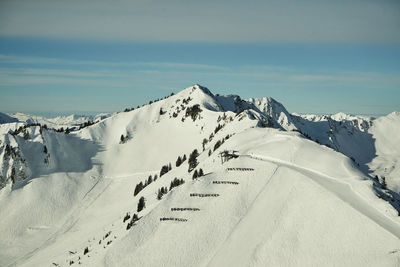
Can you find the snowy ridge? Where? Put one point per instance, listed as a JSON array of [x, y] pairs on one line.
[[56, 122], [275, 110], [283, 200]]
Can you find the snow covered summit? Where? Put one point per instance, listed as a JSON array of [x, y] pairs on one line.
[[201, 179]]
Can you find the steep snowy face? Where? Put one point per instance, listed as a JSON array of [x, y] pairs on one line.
[[4, 118], [385, 131], [346, 134], [275, 110], [29, 152]]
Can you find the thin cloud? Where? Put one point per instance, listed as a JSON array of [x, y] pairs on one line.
[[285, 21], [261, 75], [7, 59]]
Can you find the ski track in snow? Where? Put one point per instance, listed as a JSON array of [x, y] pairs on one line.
[[88, 199], [342, 190], [244, 215]]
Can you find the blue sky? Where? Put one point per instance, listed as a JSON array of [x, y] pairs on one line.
[[66, 57]]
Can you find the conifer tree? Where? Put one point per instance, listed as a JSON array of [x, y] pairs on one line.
[[159, 194], [164, 170], [178, 162], [384, 185], [205, 141], [141, 204], [138, 188], [193, 160], [195, 174]]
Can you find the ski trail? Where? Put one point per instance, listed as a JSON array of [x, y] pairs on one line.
[[98, 188], [342, 190], [244, 215], [88, 199]]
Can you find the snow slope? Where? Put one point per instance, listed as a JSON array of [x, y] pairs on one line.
[[4, 118], [302, 204]]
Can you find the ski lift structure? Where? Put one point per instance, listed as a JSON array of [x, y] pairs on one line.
[[228, 154]]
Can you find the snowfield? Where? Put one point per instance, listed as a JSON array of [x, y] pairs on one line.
[[287, 199]]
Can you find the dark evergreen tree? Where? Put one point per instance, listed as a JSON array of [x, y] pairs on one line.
[[169, 167], [122, 138], [86, 251], [138, 188], [164, 170], [201, 172], [193, 111], [205, 141], [127, 217], [217, 144], [155, 177], [141, 204], [45, 149], [159, 194], [193, 160], [150, 180], [219, 127], [178, 162], [195, 174], [384, 185], [183, 158]]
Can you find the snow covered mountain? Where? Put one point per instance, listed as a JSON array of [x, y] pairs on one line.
[[56, 122], [296, 190]]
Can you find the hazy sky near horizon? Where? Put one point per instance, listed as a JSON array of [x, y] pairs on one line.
[[92, 56]]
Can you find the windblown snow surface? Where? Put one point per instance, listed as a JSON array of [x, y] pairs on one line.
[[286, 200]]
